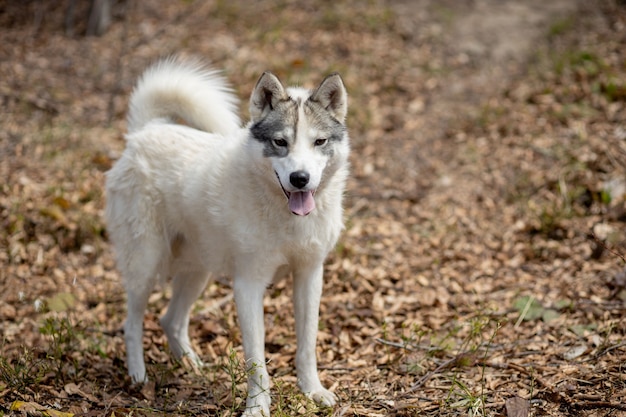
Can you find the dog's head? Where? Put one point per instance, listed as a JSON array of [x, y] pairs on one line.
[[302, 133]]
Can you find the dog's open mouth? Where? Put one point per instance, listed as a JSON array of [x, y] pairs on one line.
[[300, 203]]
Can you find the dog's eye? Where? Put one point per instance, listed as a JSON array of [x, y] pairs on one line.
[[320, 142], [280, 143]]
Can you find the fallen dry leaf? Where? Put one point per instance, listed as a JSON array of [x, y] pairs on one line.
[[517, 407]]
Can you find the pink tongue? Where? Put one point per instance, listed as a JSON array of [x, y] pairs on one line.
[[301, 202]]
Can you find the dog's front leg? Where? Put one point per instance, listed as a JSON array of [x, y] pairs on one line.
[[249, 299], [308, 282]]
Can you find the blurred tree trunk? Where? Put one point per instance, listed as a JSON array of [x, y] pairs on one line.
[[99, 17]]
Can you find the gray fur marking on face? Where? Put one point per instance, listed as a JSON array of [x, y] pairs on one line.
[[282, 122], [274, 126], [322, 121]]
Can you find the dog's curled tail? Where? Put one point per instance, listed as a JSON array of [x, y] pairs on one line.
[[184, 89]]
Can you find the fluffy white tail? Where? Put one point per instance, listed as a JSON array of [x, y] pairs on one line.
[[177, 89]]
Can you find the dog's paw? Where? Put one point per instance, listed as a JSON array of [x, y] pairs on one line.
[[138, 377], [257, 413], [191, 361], [257, 403], [322, 397]]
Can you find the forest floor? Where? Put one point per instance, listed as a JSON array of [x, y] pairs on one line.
[[482, 270]]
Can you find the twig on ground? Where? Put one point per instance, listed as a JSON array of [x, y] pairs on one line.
[[445, 365], [586, 405], [394, 344], [521, 369], [603, 245], [605, 351]]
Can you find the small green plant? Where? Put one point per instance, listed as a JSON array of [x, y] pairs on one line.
[[473, 350], [561, 26], [412, 336], [530, 308], [237, 376], [21, 373], [289, 401], [461, 396], [614, 90], [447, 342], [64, 341]]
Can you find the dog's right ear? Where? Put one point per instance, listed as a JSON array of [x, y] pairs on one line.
[[266, 95]]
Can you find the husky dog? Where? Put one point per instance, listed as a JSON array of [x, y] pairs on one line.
[[208, 197]]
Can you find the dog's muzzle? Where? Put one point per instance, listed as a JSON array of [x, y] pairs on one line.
[[300, 203]]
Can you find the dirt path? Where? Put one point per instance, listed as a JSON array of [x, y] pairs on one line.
[[487, 44], [475, 50], [482, 266]]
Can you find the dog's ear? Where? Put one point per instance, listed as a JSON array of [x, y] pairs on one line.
[[332, 95], [266, 95]]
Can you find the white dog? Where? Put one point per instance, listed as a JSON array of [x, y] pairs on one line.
[[208, 197]]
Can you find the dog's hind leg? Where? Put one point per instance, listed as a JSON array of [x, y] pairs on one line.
[[187, 286], [133, 334], [139, 285], [141, 267]]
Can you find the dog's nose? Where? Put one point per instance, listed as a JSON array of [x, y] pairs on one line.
[[299, 179]]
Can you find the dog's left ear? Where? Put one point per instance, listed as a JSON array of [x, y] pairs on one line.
[[332, 95], [266, 95]]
